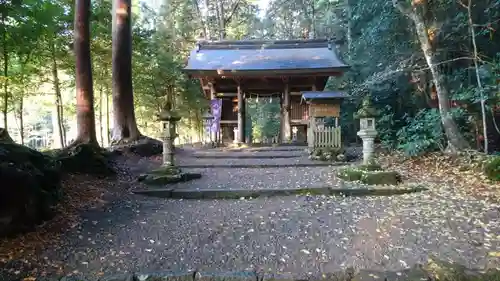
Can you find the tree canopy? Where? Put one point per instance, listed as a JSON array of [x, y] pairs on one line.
[[430, 67]]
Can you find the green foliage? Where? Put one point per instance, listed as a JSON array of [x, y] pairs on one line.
[[370, 167], [424, 133], [157, 67], [328, 154], [387, 127], [386, 59], [263, 112], [350, 174], [492, 169]]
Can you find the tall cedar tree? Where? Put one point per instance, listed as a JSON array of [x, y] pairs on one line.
[[125, 125], [84, 88]]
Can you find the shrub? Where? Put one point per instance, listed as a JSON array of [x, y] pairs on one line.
[[370, 167], [327, 154], [424, 132], [381, 177], [492, 169], [350, 174]]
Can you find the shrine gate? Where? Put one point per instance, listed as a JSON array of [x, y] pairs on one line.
[[234, 70]]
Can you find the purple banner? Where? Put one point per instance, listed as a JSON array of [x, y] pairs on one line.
[[216, 108]]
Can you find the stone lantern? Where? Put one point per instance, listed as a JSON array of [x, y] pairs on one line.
[[207, 124], [169, 120], [367, 131]]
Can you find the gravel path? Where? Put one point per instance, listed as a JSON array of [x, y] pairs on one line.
[[289, 235], [295, 235]]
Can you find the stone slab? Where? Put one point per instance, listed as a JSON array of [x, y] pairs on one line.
[[159, 179], [259, 166], [156, 192], [236, 156], [254, 193], [118, 277], [165, 276], [242, 193], [228, 276]]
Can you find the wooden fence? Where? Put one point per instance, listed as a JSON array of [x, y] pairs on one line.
[[327, 137], [321, 134]]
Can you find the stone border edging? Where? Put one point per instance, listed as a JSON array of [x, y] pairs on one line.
[[188, 193], [208, 156], [184, 177], [241, 166], [265, 149]]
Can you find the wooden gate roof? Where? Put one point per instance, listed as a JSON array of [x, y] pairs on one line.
[[265, 58]]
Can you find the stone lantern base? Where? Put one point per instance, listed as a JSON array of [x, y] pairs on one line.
[[167, 175], [368, 138], [168, 172]]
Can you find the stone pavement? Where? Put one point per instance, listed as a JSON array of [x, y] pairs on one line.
[[281, 175]]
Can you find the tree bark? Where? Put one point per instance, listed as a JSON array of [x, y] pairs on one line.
[[456, 141], [222, 20], [57, 91], [85, 116], [349, 29], [203, 20], [478, 79], [208, 34], [101, 131], [108, 141], [20, 116], [5, 71], [125, 125]]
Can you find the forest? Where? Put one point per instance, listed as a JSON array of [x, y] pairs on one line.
[[447, 73]]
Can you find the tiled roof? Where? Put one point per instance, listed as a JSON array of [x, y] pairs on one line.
[[264, 55], [312, 95]]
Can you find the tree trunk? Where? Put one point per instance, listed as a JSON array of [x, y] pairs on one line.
[[125, 125], [101, 131], [456, 141], [312, 26], [85, 116], [205, 18], [108, 141], [221, 17], [55, 79], [478, 79], [20, 116], [5, 71], [349, 29]]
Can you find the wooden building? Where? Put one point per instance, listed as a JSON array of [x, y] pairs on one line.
[[234, 70], [323, 129]]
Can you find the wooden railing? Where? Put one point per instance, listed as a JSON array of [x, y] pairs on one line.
[[327, 137], [321, 134]]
